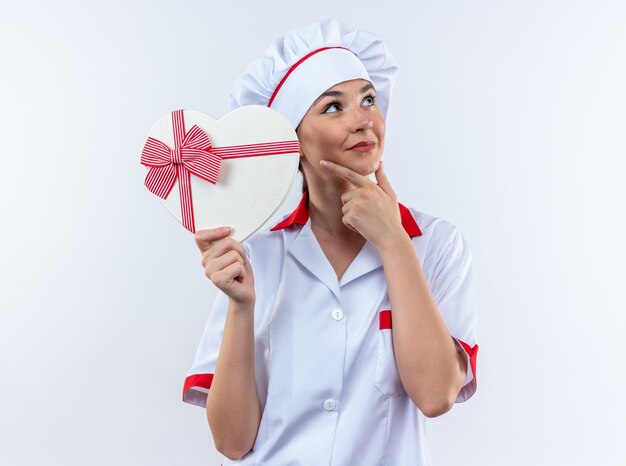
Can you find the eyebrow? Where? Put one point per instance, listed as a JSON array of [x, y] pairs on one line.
[[364, 89]]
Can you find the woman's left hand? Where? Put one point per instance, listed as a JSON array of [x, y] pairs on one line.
[[370, 209]]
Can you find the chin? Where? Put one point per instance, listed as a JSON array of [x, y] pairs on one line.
[[369, 169]]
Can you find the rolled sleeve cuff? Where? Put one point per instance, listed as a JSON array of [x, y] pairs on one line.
[[470, 384], [196, 389]]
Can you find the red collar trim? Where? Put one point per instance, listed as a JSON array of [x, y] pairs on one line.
[[301, 215]]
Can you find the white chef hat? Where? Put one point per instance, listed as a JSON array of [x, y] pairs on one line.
[[297, 68]]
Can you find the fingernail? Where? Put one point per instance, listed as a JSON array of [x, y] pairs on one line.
[[225, 229], [324, 163]]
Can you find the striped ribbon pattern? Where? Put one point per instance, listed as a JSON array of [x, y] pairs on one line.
[[194, 154]]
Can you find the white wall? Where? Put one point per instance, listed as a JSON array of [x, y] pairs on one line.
[[508, 119]]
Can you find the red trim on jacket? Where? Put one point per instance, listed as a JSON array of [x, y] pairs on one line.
[[301, 215], [384, 319], [198, 380], [472, 353], [297, 217]]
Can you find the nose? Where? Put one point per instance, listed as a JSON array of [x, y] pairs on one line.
[[361, 120]]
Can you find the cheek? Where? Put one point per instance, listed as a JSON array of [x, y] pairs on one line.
[[329, 141], [324, 140], [381, 126]]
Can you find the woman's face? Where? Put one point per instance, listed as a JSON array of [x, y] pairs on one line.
[[343, 116]]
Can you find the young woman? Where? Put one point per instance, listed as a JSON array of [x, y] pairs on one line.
[[301, 361]]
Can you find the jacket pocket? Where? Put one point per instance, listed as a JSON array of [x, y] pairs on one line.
[[387, 377]]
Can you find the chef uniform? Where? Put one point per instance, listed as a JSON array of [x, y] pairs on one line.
[[325, 369]]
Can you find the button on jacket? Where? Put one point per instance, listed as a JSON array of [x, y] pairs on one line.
[[326, 374]]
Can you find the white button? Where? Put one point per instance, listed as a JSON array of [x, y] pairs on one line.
[[337, 314], [330, 405]]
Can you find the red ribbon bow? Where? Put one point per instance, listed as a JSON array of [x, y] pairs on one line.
[[191, 154], [194, 154]]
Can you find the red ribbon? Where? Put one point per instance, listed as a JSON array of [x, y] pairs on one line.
[[194, 154]]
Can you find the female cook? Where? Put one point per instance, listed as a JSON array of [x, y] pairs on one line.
[[336, 332]]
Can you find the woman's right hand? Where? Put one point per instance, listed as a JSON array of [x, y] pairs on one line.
[[226, 265]]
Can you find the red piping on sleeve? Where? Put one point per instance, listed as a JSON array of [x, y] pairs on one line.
[[198, 380], [472, 352]]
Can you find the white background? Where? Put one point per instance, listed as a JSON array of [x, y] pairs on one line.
[[508, 119]]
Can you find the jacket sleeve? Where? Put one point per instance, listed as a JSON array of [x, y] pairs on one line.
[[200, 376], [452, 287]]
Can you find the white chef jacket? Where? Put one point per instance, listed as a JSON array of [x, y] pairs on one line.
[[326, 375]]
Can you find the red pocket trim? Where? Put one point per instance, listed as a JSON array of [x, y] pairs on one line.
[[385, 319]]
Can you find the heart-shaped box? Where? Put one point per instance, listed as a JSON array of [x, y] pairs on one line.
[[234, 171]]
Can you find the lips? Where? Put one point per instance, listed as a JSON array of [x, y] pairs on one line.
[[363, 145]]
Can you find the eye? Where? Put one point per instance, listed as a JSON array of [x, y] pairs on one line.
[[329, 106], [372, 98]]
